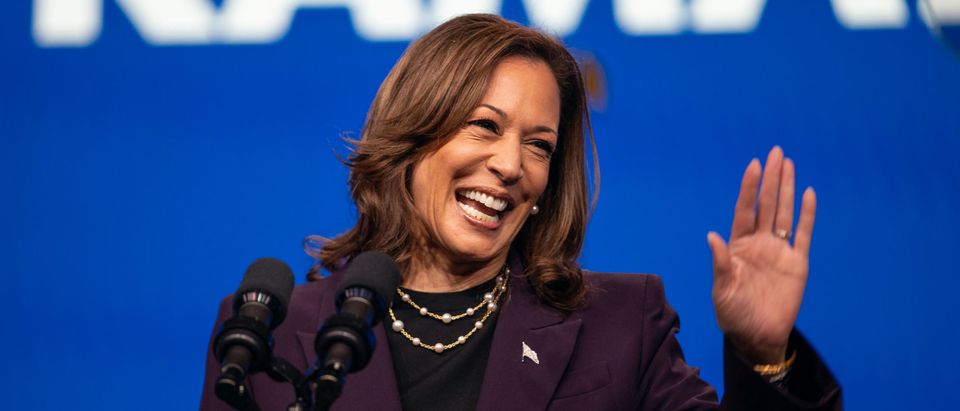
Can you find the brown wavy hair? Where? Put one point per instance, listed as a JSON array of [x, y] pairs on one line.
[[422, 103]]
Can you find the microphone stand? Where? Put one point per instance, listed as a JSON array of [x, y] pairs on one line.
[[329, 384], [279, 370], [233, 392]]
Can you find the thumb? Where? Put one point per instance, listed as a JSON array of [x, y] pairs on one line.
[[721, 256]]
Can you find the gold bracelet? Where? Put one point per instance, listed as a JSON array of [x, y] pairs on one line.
[[774, 369]]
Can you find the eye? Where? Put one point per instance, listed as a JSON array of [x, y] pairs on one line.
[[543, 146], [486, 124]]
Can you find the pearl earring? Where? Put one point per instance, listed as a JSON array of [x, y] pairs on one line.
[[535, 210]]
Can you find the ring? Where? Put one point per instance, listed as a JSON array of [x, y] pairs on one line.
[[782, 234]]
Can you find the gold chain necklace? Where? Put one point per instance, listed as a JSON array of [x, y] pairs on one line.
[[490, 300]]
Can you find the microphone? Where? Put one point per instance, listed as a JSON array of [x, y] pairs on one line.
[[345, 342], [244, 344]]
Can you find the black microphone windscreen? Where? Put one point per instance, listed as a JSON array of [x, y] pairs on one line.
[[373, 270], [271, 276]]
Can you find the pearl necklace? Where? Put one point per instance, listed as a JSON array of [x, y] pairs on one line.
[[490, 300]]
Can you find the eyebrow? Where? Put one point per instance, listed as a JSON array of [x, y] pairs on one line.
[[503, 114], [499, 112]]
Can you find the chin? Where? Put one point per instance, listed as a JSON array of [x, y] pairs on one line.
[[473, 247], [476, 251], [468, 241]]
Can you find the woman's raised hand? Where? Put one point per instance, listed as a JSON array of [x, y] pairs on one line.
[[759, 277]]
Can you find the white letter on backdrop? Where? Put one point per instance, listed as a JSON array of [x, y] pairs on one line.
[[266, 21], [169, 22], [560, 17], [70, 23], [725, 16], [871, 14], [940, 12], [644, 17], [443, 10]]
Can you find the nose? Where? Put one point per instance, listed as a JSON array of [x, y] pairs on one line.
[[506, 160]]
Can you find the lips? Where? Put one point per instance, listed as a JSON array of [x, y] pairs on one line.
[[481, 206]]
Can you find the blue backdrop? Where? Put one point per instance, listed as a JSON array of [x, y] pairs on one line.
[[152, 149]]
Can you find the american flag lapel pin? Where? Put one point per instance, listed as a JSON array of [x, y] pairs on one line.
[[529, 353]]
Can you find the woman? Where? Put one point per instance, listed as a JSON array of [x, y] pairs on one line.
[[470, 173]]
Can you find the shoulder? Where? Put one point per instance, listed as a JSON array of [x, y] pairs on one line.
[[628, 304], [597, 278], [642, 290], [310, 292], [623, 323], [308, 301]]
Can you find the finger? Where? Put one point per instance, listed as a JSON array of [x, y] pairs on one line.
[[784, 219], [721, 257], [808, 210], [769, 186], [744, 214]]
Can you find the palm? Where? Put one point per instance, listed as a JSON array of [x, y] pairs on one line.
[[759, 278]]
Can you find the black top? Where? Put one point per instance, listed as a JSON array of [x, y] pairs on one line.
[[450, 380]]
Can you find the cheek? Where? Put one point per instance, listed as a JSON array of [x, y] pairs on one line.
[[421, 184], [537, 178], [430, 184]]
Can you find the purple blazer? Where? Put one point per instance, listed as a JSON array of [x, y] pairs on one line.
[[619, 352]]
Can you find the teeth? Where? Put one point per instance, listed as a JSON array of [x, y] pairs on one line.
[[473, 212], [489, 201]]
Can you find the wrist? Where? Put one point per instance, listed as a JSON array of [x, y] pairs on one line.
[[776, 373], [760, 354]]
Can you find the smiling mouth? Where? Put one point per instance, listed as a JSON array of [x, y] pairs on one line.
[[480, 206]]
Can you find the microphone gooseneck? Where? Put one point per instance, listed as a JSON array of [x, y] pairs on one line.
[[244, 343], [345, 342]]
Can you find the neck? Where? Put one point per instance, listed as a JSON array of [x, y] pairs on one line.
[[445, 276]]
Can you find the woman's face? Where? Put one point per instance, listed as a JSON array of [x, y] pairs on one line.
[[476, 191]]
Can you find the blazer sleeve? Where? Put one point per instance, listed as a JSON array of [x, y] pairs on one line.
[[669, 383], [810, 385]]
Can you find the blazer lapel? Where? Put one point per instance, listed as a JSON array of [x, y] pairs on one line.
[[512, 381], [372, 388]]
